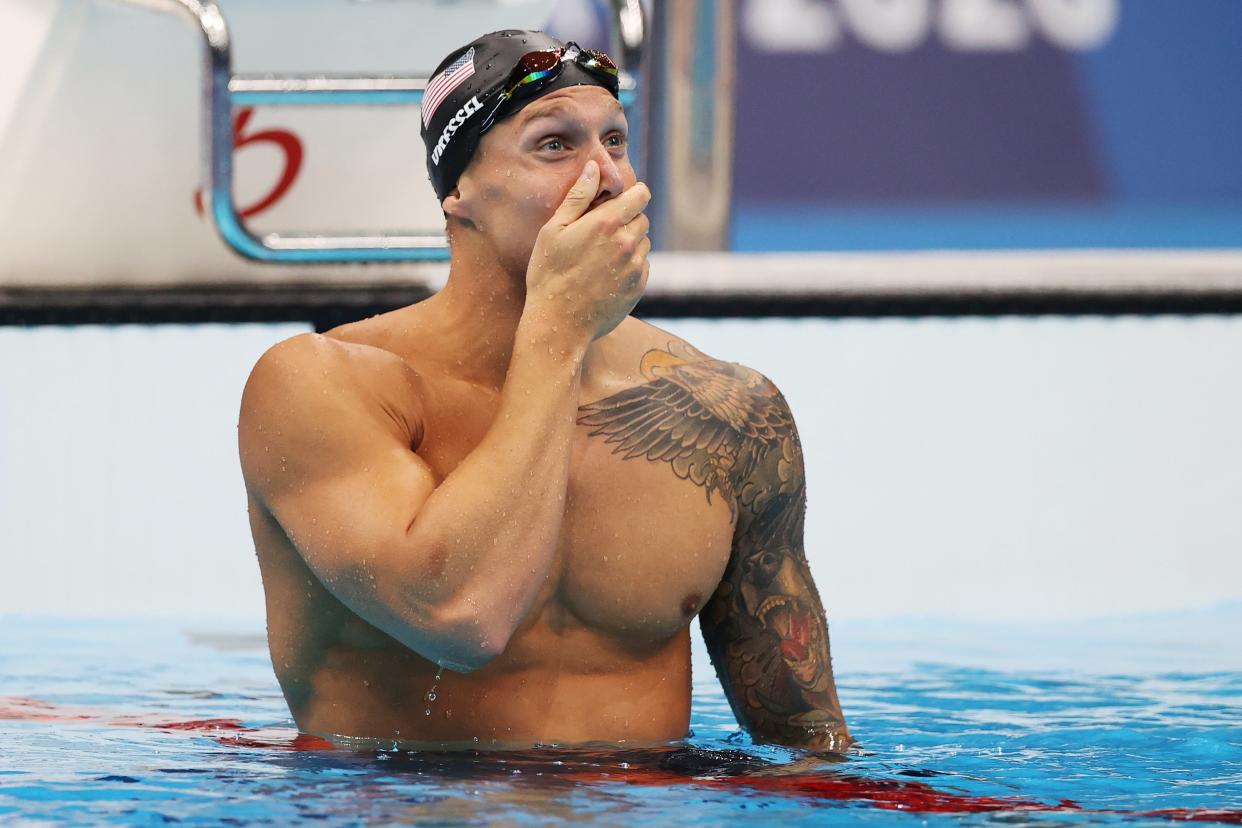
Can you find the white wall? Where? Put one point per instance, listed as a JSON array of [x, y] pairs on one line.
[[1009, 469], [120, 492], [100, 132], [1012, 468]]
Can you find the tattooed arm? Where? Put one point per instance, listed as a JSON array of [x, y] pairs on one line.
[[765, 627], [728, 429]]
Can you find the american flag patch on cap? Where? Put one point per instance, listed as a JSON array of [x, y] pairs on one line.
[[444, 83]]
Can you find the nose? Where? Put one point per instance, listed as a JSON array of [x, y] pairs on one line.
[[611, 177]]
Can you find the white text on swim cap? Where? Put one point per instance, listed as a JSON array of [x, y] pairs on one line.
[[469, 108]]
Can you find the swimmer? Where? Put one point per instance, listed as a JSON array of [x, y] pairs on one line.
[[490, 517]]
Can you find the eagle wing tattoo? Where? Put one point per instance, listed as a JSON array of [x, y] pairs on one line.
[[713, 421]]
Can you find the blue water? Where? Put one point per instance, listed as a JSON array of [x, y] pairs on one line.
[[1122, 717]]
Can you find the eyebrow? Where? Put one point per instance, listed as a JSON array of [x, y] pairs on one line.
[[556, 108]]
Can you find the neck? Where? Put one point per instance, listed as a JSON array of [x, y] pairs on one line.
[[476, 316]]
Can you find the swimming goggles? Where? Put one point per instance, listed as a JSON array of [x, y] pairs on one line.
[[534, 70]]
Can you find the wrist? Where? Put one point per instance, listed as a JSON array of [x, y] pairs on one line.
[[551, 334]]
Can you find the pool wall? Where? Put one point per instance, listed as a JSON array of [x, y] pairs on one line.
[[1005, 469]]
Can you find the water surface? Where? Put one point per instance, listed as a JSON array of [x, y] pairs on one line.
[[1131, 721]]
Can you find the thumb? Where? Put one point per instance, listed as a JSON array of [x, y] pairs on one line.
[[579, 197]]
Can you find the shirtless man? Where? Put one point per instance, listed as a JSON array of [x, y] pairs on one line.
[[492, 515]]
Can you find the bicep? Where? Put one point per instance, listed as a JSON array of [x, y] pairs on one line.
[[765, 627], [334, 467]]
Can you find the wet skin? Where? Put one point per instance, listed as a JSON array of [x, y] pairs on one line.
[[684, 493]]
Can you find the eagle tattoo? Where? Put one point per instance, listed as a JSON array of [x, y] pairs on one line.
[[712, 421], [729, 430]]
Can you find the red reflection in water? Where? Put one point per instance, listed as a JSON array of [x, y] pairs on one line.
[[887, 794]]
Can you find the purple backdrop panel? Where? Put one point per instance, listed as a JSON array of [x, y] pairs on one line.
[[925, 125]]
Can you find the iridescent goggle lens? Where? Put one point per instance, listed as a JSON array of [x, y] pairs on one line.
[[534, 69]]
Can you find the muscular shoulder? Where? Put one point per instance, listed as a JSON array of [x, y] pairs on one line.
[[656, 347], [299, 370], [306, 390], [642, 336]]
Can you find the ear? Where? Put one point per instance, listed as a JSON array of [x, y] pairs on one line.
[[455, 205]]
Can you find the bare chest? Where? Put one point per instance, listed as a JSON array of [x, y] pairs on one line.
[[642, 546], [641, 550]]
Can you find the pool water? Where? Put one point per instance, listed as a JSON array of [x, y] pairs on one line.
[[1130, 721]]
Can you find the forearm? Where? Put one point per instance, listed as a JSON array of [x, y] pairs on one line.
[[765, 627], [482, 543], [798, 707]]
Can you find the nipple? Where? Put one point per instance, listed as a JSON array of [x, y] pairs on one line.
[[690, 605]]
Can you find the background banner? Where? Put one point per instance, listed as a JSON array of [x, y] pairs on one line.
[[989, 123]]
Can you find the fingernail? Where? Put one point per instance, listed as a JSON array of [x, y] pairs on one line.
[[589, 170]]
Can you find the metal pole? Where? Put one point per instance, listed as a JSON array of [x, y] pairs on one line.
[[218, 100], [689, 146]]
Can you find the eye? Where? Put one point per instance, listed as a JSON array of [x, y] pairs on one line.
[[616, 139], [554, 144]]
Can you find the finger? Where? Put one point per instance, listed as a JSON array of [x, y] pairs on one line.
[[635, 259], [631, 236], [643, 249], [640, 225], [636, 274], [579, 197], [627, 205]]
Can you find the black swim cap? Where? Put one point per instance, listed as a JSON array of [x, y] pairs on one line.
[[465, 88]]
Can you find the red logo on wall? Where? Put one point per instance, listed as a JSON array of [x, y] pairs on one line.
[[286, 141]]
